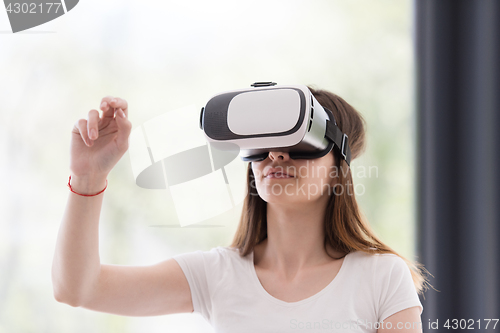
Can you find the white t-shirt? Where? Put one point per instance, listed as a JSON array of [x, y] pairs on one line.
[[227, 292]]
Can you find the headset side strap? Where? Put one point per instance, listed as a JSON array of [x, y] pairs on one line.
[[340, 139]]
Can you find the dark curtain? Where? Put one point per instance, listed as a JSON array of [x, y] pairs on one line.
[[457, 45]]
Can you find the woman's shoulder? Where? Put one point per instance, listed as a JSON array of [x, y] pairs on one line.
[[219, 258], [378, 261], [373, 256], [223, 254], [217, 250], [226, 250]]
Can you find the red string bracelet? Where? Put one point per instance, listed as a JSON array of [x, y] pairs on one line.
[[85, 195]]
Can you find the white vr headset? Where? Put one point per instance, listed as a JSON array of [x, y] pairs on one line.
[[268, 118]]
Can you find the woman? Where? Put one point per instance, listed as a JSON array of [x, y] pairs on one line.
[[302, 257]]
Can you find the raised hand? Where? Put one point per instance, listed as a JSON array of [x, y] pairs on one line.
[[97, 144]]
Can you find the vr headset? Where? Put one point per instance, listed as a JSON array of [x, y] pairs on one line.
[[269, 117]]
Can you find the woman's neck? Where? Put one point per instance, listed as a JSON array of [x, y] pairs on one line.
[[295, 238]]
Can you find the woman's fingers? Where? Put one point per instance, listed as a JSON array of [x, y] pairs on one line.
[[107, 111], [92, 126], [109, 104], [124, 129], [114, 102], [118, 102], [81, 125], [105, 103], [112, 107]]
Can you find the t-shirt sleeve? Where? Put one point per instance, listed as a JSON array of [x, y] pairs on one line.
[[396, 290], [199, 268]]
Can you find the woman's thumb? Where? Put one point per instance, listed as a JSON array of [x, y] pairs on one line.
[[124, 129]]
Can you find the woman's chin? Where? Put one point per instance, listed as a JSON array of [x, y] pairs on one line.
[[286, 191], [284, 199]]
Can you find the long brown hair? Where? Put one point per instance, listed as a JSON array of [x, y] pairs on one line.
[[346, 229]]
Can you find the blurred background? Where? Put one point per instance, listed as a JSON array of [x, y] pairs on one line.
[[160, 56]]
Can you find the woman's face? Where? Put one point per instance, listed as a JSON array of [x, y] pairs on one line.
[[280, 179]]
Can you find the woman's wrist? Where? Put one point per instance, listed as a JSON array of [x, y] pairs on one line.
[[89, 184]]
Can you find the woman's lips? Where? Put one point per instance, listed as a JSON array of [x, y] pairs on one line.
[[278, 175]]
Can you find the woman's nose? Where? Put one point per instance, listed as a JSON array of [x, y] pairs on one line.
[[278, 156]]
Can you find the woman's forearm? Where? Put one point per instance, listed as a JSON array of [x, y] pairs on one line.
[[76, 264]]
